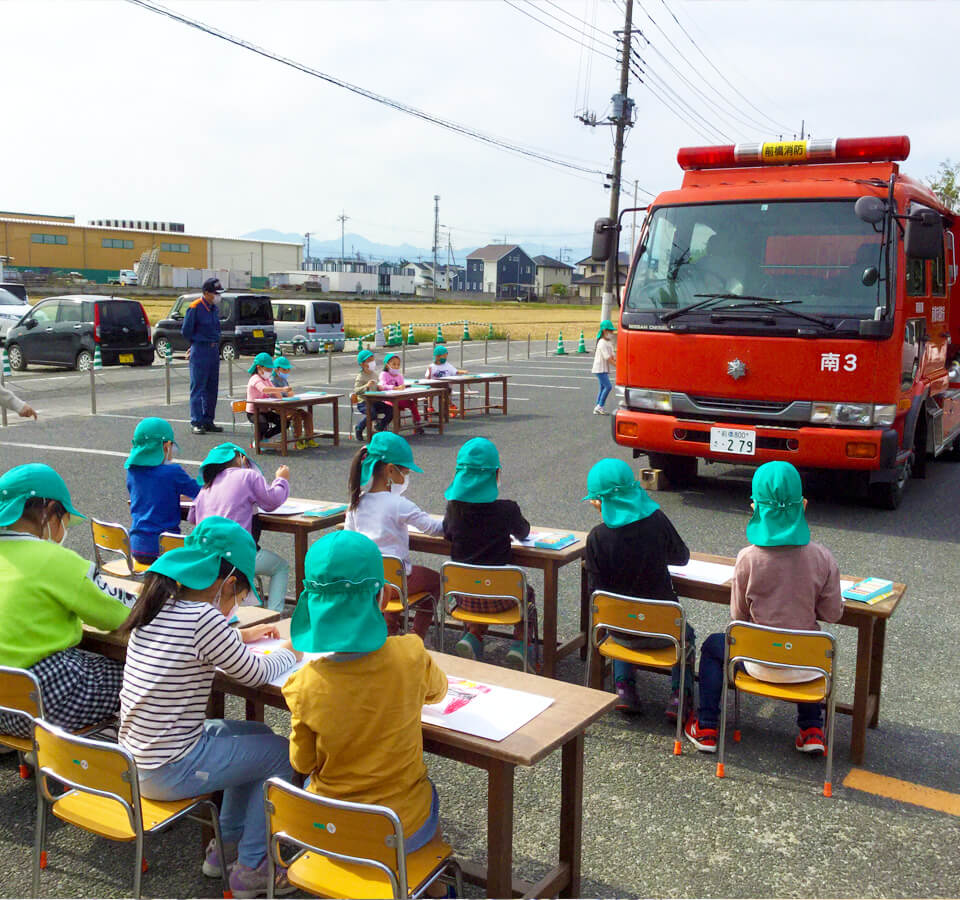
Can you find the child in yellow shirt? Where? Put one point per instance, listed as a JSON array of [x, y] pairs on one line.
[[355, 711]]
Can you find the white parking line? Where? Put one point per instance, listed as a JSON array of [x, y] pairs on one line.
[[88, 450]]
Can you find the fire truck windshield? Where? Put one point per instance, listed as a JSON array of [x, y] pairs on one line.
[[811, 254]]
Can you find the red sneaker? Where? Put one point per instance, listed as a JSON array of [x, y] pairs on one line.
[[704, 739], [811, 740]]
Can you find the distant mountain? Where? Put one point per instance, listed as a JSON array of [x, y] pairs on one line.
[[356, 243]]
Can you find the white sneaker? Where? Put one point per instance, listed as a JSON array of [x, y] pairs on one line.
[[597, 411]]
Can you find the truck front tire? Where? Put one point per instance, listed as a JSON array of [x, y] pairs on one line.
[[681, 471]]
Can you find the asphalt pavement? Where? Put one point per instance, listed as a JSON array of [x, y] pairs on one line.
[[654, 824]]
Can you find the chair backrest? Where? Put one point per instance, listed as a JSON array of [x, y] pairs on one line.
[[395, 574], [93, 767], [337, 829], [781, 647], [112, 537], [238, 406], [636, 615], [170, 540], [20, 693], [504, 582]]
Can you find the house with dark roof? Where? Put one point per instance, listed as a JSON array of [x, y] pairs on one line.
[[587, 279], [550, 273], [503, 270]]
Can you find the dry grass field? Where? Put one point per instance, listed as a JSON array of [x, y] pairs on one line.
[[516, 319]]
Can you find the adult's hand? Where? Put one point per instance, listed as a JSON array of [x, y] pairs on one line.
[[27, 412]]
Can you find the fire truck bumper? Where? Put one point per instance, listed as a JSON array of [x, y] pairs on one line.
[[810, 447]]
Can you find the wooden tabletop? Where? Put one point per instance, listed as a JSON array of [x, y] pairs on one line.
[[462, 379], [426, 543], [270, 520], [403, 393], [299, 399], [882, 610]]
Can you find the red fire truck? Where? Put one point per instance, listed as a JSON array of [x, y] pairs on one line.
[[791, 301]]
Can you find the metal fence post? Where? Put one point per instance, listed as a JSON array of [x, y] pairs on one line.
[[93, 391], [508, 346], [546, 343], [230, 376], [528, 346], [486, 348], [329, 366], [403, 358], [166, 375], [461, 353], [3, 378]]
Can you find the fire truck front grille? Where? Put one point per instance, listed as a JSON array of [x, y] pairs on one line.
[[729, 408], [741, 406]]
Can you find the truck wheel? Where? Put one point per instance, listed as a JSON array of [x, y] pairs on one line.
[[888, 494], [951, 454], [681, 471], [18, 362], [228, 351]]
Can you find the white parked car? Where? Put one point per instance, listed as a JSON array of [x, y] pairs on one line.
[[12, 309], [128, 277]]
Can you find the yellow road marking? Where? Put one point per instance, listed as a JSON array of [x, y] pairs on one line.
[[903, 791]]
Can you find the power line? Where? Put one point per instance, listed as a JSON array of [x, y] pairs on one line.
[[717, 70], [673, 110], [450, 125], [547, 25], [566, 12]]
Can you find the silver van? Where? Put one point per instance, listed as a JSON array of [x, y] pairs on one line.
[[308, 326]]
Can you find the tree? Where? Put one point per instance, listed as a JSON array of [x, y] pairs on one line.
[[558, 290], [946, 184]]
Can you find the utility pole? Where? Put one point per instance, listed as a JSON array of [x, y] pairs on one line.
[[342, 218], [307, 261], [436, 239], [622, 118]]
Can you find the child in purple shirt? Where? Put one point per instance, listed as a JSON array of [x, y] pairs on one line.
[[391, 379], [234, 487]]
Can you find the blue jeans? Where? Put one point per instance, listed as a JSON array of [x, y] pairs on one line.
[[235, 757], [605, 388], [809, 715], [278, 570], [624, 671], [204, 381], [381, 412]]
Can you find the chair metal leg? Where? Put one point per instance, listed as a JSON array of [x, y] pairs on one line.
[[526, 632], [40, 834], [723, 717], [218, 837], [831, 720], [736, 716], [271, 866], [138, 865], [678, 740]]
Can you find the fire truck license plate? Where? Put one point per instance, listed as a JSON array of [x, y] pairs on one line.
[[733, 440]]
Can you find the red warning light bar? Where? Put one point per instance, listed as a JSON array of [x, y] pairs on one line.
[[778, 153]]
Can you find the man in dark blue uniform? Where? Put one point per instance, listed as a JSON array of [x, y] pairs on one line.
[[201, 326]]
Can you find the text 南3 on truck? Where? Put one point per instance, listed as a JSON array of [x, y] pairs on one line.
[[792, 301]]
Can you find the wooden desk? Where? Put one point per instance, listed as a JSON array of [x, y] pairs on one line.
[[416, 394], [463, 381], [562, 725], [286, 407], [549, 562], [871, 624], [301, 527]]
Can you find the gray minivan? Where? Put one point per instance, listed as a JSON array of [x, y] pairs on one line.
[[308, 325]]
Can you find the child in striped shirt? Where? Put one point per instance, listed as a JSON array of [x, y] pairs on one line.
[[179, 637]]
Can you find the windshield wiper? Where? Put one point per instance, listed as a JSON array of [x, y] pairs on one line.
[[779, 306], [700, 304]]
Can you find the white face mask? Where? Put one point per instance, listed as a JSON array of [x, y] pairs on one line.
[[402, 487], [216, 598], [369, 366], [63, 537], [216, 300]]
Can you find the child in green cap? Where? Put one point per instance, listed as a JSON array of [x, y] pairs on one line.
[[440, 368], [366, 380], [391, 379], [379, 475], [259, 387], [604, 359], [355, 711], [784, 580], [47, 594], [479, 528], [628, 554], [179, 638], [301, 419], [155, 484]]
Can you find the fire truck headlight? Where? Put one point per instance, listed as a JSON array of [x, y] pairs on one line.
[[860, 414], [642, 398], [884, 413]]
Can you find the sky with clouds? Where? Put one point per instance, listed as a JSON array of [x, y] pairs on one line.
[[114, 111]]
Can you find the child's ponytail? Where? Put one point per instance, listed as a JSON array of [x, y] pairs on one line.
[[353, 483], [157, 590]]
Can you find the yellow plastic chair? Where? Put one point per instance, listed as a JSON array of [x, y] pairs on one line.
[[348, 849], [170, 540], [638, 617], [780, 648], [395, 575], [115, 539], [490, 583], [103, 796], [237, 406], [20, 697]]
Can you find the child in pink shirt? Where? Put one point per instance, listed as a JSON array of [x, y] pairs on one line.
[[260, 387], [391, 379]]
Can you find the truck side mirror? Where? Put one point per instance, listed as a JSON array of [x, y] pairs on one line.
[[923, 235], [605, 239], [870, 209]]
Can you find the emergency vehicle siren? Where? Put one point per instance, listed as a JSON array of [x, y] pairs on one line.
[[560, 350], [581, 347], [893, 148]]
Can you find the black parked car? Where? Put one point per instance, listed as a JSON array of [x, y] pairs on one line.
[[63, 331], [246, 326]]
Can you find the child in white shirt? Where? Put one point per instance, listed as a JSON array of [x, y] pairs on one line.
[[604, 358], [440, 368], [379, 475]]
